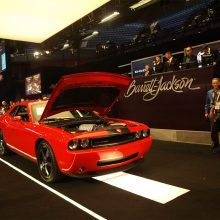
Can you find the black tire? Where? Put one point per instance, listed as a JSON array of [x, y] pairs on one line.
[[47, 165], [4, 151]]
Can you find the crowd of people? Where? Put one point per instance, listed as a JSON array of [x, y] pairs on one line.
[[5, 107], [207, 56]]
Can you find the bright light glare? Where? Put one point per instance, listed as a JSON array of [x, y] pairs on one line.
[[36, 21], [140, 3], [109, 17], [91, 35]]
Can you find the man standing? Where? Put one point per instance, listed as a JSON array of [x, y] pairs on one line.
[[212, 109], [189, 60], [210, 55], [158, 65], [171, 64], [4, 107]]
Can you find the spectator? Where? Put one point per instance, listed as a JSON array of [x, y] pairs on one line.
[[189, 60], [4, 107], [11, 103], [210, 55], [212, 112], [171, 64], [158, 65], [148, 70]]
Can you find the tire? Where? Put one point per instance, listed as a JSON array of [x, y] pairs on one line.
[[47, 165], [4, 151]]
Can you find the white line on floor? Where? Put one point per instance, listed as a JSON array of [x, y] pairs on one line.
[[150, 189], [74, 203]]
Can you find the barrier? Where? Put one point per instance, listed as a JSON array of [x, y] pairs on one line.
[[173, 100]]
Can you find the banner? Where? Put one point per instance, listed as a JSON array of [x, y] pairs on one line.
[[173, 100]]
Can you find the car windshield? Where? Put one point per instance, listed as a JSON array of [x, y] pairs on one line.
[[38, 108]]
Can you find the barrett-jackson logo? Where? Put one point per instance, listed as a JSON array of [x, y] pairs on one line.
[[151, 89]]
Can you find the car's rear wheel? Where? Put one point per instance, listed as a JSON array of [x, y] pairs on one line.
[[47, 164], [3, 146]]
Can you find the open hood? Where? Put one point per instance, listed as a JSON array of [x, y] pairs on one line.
[[90, 91]]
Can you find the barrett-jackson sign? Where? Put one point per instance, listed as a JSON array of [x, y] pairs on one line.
[[150, 89], [173, 100]]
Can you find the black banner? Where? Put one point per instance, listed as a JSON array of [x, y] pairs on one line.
[[172, 100]]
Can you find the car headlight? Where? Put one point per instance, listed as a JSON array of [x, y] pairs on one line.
[[138, 134], [146, 133], [84, 143], [73, 145]]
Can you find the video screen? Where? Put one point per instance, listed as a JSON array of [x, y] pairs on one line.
[[2, 59], [33, 84], [138, 66]]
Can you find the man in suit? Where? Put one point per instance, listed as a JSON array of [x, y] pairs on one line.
[[211, 54], [158, 65], [212, 98], [171, 64], [189, 60]]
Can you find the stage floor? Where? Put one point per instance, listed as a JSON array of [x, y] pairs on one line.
[[191, 168]]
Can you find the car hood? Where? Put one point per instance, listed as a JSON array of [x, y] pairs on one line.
[[89, 91]]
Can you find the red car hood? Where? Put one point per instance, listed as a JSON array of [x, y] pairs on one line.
[[90, 91]]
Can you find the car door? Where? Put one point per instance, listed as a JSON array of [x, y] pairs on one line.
[[18, 134]]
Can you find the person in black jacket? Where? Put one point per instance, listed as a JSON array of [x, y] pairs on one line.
[[158, 65], [211, 55], [189, 60], [171, 64]]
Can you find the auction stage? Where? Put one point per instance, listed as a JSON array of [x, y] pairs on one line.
[[174, 166]]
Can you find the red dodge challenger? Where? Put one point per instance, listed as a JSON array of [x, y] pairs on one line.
[[71, 133]]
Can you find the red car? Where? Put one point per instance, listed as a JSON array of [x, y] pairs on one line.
[[71, 133]]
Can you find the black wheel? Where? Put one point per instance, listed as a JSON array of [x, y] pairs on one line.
[[47, 164], [3, 147]]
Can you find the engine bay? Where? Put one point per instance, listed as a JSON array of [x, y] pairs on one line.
[[74, 126]]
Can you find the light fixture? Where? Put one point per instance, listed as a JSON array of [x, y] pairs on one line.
[[139, 4], [109, 17], [39, 20], [47, 51], [65, 46], [94, 33]]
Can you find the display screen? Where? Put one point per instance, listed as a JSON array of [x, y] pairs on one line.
[[33, 84], [2, 59], [138, 66]]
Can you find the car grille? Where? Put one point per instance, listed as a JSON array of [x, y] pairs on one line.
[[113, 140]]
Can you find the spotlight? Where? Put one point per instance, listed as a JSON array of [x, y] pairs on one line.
[[36, 53], [94, 33], [139, 4], [47, 52], [109, 17]]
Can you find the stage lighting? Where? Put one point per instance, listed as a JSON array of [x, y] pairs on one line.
[[94, 33], [109, 17], [139, 4]]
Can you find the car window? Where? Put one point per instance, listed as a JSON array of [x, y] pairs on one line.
[[23, 112], [37, 110], [13, 111]]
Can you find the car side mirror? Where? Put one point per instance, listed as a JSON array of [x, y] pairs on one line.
[[17, 118]]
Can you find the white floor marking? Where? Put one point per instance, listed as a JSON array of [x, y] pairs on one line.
[[74, 203], [150, 189]]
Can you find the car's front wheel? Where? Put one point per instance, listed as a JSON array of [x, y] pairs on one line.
[[3, 146], [47, 164]]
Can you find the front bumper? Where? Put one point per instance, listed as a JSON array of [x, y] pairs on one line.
[[108, 159]]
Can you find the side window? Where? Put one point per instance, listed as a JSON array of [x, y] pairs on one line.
[[14, 111], [23, 112]]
